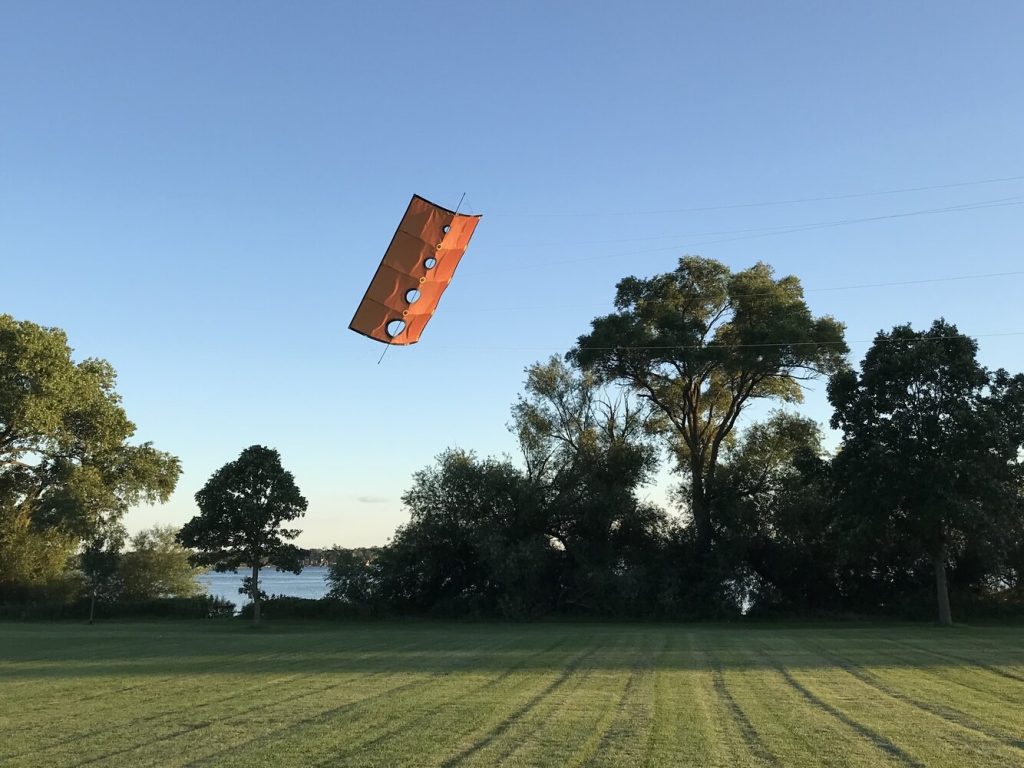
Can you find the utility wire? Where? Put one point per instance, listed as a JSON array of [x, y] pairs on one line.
[[772, 345], [767, 203], [748, 234], [857, 286]]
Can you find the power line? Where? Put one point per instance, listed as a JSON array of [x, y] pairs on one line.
[[767, 203], [748, 234], [858, 286], [773, 345]]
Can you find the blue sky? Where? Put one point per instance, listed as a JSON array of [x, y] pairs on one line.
[[200, 192]]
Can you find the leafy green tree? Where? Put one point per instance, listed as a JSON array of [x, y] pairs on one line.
[[587, 450], [776, 515], [35, 563], [352, 575], [700, 344], [66, 467], [157, 565], [242, 509], [567, 534], [474, 543], [101, 565], [930, 457]]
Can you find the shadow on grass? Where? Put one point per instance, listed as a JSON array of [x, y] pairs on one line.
[[168, 649]]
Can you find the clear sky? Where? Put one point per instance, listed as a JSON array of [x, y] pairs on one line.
[[200, 192]]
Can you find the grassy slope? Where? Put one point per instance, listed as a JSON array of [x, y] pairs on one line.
[[221, 694]]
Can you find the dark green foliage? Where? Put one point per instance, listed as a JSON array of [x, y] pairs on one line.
[[100, 563], [352, 575], [66, 468], [776, 516], [282, 608], [157, 566], [929, 474], [566, 535], [197, 607], [700, 344], [242, 509]]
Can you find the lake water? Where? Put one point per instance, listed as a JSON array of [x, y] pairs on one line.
[[312, 583]]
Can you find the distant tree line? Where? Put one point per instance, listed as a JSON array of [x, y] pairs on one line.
[[919, 512], [920, 509]]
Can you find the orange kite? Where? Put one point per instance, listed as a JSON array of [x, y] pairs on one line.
[[415, 270]]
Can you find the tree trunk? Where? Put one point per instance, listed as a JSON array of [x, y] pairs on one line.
[[700, 508], [254, 592], [942, 588], [92, 606]]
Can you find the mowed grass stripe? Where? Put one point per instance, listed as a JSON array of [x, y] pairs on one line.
[[441, 726], [288, 713], [684, 707], [936, 690], [915, 736], [881, 657], [272, 695], [815, 736], [628, 738], [564, 716], [238, 696], [334, 733], [162, 700], [744, 744], [974, 657], [497, 744], [432, 694], [579, 721]]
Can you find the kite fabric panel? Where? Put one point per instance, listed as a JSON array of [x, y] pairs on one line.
[[415, 270]]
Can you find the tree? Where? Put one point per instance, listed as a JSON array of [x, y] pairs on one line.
[[242, 509], [776, 515], [931, 448], [157, 565], [587, 450], [700, 344], [100, 562], [474, 544], [66, 467]]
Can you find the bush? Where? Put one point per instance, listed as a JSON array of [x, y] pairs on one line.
[[280, 607], [200, 607]]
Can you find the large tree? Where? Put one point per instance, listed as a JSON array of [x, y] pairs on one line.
[[931, 448], [242, 510], [66, 467], [701, 343], [588, 450]]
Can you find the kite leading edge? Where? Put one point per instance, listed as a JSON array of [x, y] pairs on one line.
[[415, 270]]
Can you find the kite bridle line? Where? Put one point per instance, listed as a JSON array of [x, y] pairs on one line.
[[405, 325]]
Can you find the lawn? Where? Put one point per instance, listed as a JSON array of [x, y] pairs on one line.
[[218, 693]]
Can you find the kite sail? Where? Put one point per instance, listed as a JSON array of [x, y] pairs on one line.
[[415, 270]]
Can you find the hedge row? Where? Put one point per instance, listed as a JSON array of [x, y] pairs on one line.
[[200, 607]]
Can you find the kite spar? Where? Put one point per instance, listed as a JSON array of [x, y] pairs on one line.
[[416, 269]]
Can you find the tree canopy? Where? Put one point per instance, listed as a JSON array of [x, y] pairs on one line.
[[931, 447], [242, 510], [702, 342], [157, 566], [66, 466]]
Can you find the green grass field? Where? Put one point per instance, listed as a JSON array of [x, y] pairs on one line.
[[221, 694]]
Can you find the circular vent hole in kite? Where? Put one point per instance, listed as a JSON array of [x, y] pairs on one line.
[[446, 228], [395, 327], [430, 262], [412, 296]]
